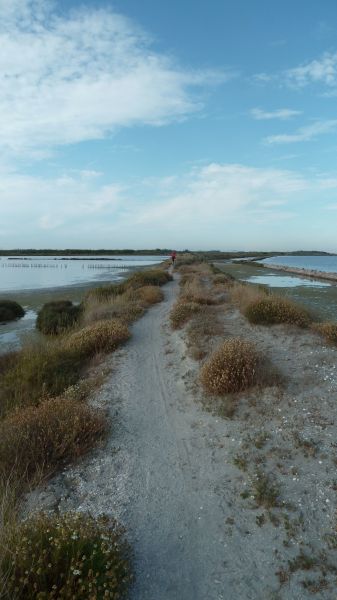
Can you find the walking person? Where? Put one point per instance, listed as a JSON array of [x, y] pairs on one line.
[[173, 257]]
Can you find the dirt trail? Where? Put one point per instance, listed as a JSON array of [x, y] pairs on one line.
[[173, 518]]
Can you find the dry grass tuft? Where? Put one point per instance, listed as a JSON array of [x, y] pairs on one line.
[[272, 310], [149, 277], [194, 291], [123, 307], [69, 556], [182, 312], [39, 439], [102, 336], [327, 330], [201, 331], [149, 295], [231, 368], [243, 295]]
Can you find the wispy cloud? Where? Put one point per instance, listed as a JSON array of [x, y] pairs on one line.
[[211, 205], [280, 113], [304, 134], [322, 70], [67, 79]]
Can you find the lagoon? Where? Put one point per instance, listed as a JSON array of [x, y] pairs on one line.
[[34, 280]]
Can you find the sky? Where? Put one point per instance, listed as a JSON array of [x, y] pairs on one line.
[[181, 124]]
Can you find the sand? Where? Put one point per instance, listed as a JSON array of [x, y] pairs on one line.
[[180, 476]]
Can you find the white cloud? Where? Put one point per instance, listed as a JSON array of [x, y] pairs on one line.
[[215, 205], [280, 113], [322, 70], [218, 194], [304, 134], [68, 79]]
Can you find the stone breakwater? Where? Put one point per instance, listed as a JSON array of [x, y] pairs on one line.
[[312, 273]]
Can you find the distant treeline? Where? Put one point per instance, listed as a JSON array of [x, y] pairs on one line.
[[210, 254], [81, 252]]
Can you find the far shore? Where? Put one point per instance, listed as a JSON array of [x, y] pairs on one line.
[[312, 273]]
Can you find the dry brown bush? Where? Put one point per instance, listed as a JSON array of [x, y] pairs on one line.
[[39, 439], [231, 368], [328, 330], [102, 336], [182, 311], [149, 295], [270, 310]]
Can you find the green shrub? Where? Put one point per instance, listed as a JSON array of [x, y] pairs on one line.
[[39, 371], [70, 557], [10, 310], [39, 439], [272, 310], [102, 336], [57, 317], [182, 312], [231, 368]]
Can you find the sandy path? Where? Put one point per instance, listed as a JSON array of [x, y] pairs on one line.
[[173, 517]]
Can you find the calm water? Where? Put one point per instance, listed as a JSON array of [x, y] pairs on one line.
[[33, 281], [38, 272], [319, 296], [318, 263]]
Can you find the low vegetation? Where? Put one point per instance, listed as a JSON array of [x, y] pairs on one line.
[[273, 310], [39, 439], [149, 295], [149, 277], [102, 336], [194, 291], [328, 330], [39, 371], [182, 311], [201, 331], [57, 317], [10, 310], [231, 368], [70, 556]]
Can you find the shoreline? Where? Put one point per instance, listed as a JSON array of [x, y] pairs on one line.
[[311, 273]]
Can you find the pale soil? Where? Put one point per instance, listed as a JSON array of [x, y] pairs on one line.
[[169, 472]]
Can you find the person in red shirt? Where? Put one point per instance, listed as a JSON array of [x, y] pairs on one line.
[[173, 257]]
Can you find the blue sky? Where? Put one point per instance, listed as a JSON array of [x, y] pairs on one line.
[[182, 124]]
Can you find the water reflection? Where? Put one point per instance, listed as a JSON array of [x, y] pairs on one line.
[[285, 281]]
